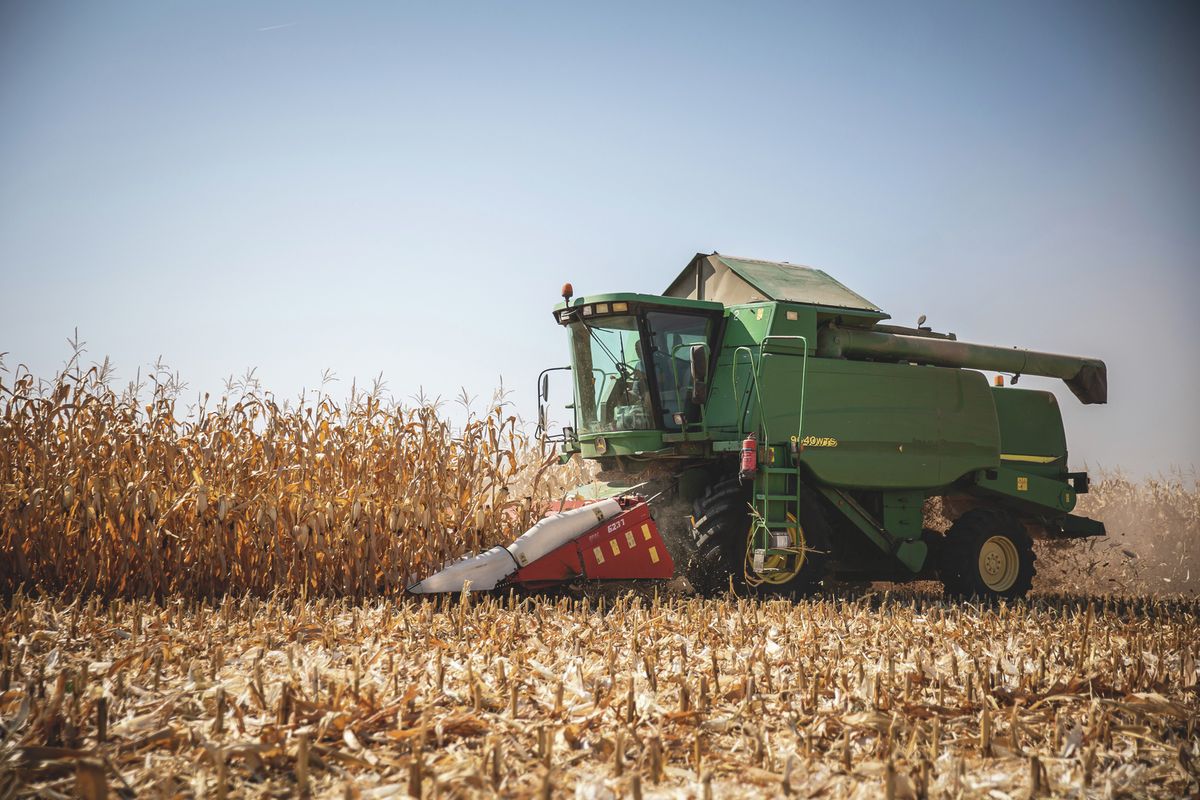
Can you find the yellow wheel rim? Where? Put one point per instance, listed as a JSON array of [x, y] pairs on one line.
[[776, 569], [999, 563]]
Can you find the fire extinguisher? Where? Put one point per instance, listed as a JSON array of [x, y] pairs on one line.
[[749, 458]]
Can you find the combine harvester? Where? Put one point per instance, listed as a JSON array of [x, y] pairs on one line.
[[795, 437]]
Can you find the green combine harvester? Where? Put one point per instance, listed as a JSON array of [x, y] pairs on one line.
[[796, 437]]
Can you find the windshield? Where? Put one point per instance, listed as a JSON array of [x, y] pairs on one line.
[[611, 390], [613, 384]]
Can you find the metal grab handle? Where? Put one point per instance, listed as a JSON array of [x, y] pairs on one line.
[[803, 373], [755, 371], [754, 383]]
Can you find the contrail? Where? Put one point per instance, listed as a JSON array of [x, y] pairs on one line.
[[277, 27]]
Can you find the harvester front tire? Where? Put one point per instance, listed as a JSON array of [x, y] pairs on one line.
[[721, 527], [988, 554], [722, 510]]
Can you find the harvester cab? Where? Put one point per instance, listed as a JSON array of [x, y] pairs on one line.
[[794, 435], [639, 367]]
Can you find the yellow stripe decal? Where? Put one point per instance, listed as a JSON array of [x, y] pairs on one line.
[[599, 554], [629, 539], [653, 555], [616, 548], [1030, 459], [646, 531]]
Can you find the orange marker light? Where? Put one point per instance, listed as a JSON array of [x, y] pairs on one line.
[[999, 380]]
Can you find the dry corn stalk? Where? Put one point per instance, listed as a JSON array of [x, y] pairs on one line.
[[101, 492]]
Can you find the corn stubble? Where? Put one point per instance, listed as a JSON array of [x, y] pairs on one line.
[[634, 697]]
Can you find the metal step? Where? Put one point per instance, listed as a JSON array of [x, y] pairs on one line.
[[766, 502]]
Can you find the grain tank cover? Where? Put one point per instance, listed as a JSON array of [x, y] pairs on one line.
[[732, 281]]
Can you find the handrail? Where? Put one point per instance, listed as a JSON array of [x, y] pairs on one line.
[[755, 371], [757, 393], [803, 374]]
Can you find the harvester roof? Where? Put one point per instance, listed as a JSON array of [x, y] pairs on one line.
[[732, 281]]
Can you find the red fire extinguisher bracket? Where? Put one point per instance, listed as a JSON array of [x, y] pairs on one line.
[[749, 466]]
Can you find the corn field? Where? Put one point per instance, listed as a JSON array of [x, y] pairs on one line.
[[102, 492]]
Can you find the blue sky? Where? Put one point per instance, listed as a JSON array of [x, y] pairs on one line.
[[402, 188]]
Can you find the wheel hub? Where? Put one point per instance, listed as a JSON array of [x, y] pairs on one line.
[[999, 563]]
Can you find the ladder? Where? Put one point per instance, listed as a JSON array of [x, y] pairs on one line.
[[776, 487], [776, 494]]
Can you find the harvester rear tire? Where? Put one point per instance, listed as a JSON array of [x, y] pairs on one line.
[[988, 554], [721, 526]]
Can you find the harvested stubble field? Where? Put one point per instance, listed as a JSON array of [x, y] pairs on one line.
[[637, 697], [207, 602]]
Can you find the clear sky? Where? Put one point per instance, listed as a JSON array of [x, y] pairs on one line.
[[403, 187]]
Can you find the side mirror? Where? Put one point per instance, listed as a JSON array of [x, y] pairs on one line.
[[543, 394], [699, 359]]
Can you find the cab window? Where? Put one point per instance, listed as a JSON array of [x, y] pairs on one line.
[[672, 336]]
